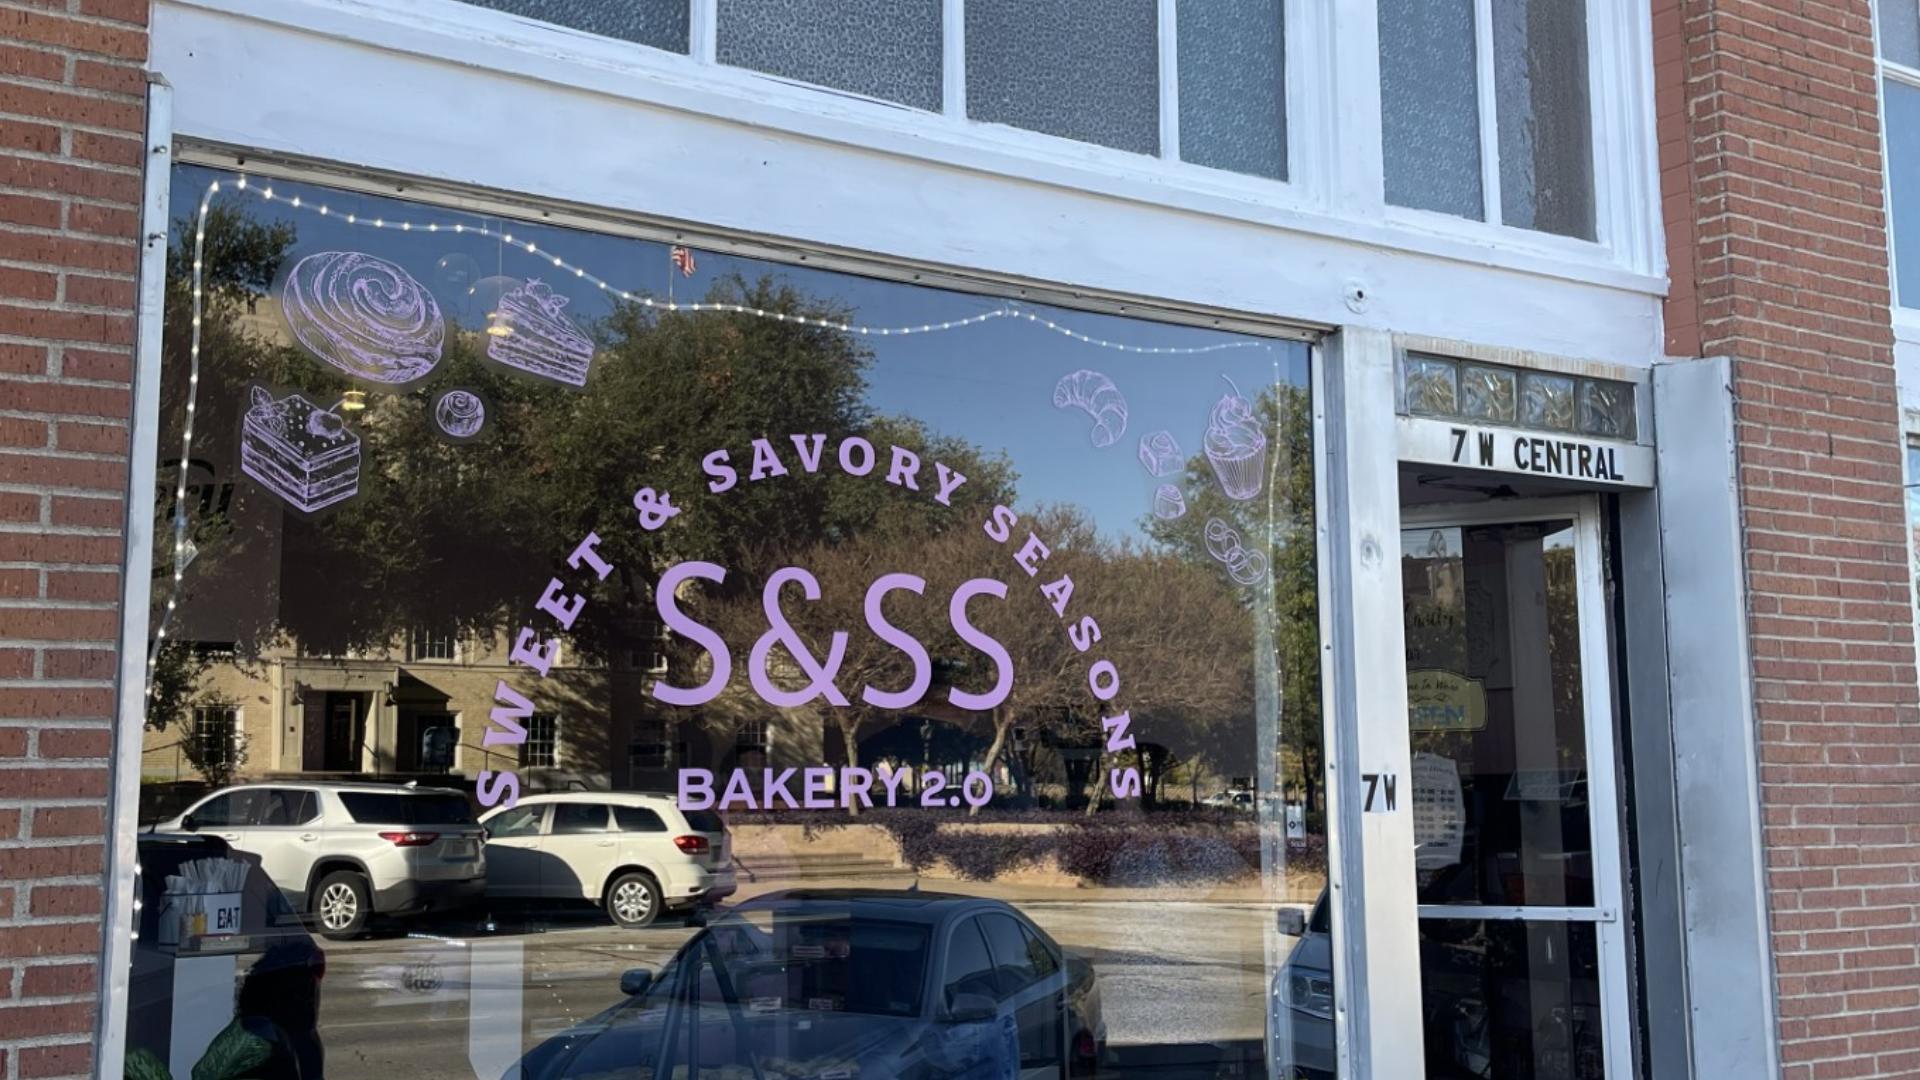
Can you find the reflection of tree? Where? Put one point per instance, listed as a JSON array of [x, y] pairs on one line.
[[1282, 525]]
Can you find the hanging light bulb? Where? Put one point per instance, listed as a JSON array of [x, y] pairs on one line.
[[353, 401]]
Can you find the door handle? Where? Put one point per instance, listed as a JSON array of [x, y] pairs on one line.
[[308, 836], [228, 836], [603, 843]]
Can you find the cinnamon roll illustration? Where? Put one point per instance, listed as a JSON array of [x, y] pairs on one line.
[[364, 315], [1097, 396], [460, 413], [1235, 447], [532, 333]]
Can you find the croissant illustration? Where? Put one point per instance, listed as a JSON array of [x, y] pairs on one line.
[[1094, 394]]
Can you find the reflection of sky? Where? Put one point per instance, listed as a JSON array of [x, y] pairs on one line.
[[991, 384]]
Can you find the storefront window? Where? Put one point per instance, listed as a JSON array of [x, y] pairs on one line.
[[659, 23], [983, 735]]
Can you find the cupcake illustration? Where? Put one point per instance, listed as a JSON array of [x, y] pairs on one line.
[[1235, 447]]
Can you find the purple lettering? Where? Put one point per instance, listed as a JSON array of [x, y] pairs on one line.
[[815, 783], [895, 780], [850, 444], [1124, 783], [855, 782], [820, 676], [1115, 728], [1000, 525], [715, 465], [1059, 592], [492, 787], [1031, 554], [511, 707], [1003, 663], [1103, 671], [775, 786], [765, 462], [810, 461], [586, 553], [739, 792], [696, 789], [899, 639], [675, 620], [563, 612], [1084, 633], [906, 465], [949, 480], [537, 657]]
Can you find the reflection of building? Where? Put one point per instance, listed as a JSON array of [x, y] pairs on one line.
[[421, 711]]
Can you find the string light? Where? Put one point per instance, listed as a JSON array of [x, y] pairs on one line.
[[182, 546]]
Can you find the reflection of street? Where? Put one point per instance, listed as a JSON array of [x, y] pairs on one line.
[[1170, 973]]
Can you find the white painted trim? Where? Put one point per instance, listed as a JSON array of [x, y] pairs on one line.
[[953, 59], [1169, 71], [490, 42], [123, 813], [1487, 101], [703, 30]]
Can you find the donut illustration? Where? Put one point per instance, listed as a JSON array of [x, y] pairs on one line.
[[364, 315], [1094, 394]]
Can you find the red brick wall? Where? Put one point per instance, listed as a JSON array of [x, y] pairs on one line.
[[1770, 154], [72, 117]]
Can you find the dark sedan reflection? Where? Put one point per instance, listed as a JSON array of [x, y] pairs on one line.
[[845, 984]]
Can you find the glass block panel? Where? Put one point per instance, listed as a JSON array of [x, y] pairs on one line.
[[1903, 172], [888, 49], [1233, 85], [1430, 106], [1606, 409], [1081, 71], [1488, 394], [1900, 31], [1431, 386], [659, 23], [1545, 121], [1546, 401]]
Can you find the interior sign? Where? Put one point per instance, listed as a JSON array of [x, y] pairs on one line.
[[1529, 453]]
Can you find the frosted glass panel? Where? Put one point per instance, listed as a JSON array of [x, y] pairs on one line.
[[1233, 86], [1429, 107], [1900, 31], [1546, 140], [1903, 174], [886, 49], [659, 23], [1079, 70]]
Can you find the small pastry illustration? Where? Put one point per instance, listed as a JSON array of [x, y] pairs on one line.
[[1235, 447], [529, 331], [1168, 503], [299, 451], [1159, 452], [1095, 395], [364, 315], [460, 413], [1244, 565]]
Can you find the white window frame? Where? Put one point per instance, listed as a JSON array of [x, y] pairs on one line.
[[1906, 317], [1334, 185], [526, 761], [417, 638], [239, 725]]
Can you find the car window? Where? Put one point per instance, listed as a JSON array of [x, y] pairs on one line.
[[704, 821], [969, 967], [397, 808], [637, 819], [230, 810], [579, 818], [519, 821], [1045, 962], [1012, 962], [285, 806]]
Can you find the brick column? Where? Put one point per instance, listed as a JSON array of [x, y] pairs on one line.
[[1770, 153], [72, 121]]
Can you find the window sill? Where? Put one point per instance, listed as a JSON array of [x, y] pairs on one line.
[[491, 41]]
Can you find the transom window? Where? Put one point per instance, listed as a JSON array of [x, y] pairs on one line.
[[1189, 80], [1900, 98]]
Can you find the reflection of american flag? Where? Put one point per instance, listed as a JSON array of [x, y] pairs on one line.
[[683, 260]]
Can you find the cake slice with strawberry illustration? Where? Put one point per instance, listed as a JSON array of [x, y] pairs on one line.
[[299, 451], [531, 332]]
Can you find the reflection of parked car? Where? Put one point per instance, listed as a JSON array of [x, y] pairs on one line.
[[1300, 1013], [849, 983], [276, 965], [636, 855], [1230, 800], [348, 852]]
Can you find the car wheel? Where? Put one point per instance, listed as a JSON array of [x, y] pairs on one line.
[[342, 905], [633, 900]]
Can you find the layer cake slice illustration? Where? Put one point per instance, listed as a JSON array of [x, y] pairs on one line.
[[299, 451]]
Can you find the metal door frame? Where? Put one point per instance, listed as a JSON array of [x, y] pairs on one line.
[[1603, 787]]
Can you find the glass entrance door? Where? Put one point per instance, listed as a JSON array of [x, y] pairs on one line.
[[1516, 815]]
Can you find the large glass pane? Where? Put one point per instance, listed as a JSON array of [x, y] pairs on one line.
[[1081, 71], [1900, 31], [1429, 106], [887, 49], [1233, 85], [1903, 176], [923, 604], [1546, 127], [659, 23], [1511, 999], [1496, 714]]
